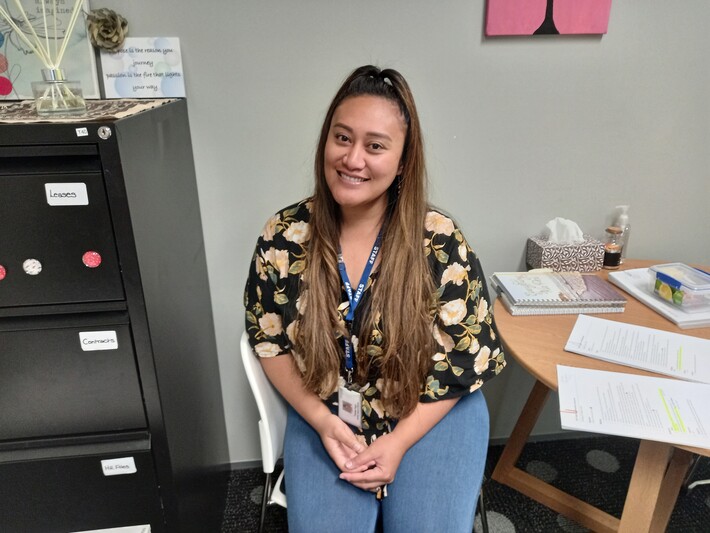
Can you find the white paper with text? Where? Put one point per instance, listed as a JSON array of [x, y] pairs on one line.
[[673, 354], [643, 407]]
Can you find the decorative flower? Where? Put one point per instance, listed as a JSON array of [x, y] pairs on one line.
[[453, 312], [278, 259], [261, 267], [476, 385], [444, 339], [455, 273], [463, 252], [474, 346], [481, 363], [378, 407], [301, 302], [271, 324], [292, 332], [270, 228], [438, 223], [267, 349], [107, 29], [298, 232], [482, 311]]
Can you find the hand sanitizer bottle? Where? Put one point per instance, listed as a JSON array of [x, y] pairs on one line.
[[622, 221]]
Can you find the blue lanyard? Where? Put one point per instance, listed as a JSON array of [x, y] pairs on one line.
[[354, 299]]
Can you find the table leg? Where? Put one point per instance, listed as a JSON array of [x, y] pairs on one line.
[[523, 427], [508, 474], [658, 474]]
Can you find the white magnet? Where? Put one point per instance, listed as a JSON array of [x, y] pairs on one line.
[[32, 267]]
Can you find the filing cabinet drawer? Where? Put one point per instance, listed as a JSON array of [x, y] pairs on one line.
[[59, 381], [59, 495], [56, 240]]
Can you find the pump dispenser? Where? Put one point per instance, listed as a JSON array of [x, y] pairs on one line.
[[622, 221]]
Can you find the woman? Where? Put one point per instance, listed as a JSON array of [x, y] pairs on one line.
[[370, 314]]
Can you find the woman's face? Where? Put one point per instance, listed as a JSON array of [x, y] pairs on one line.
[[363, 151]]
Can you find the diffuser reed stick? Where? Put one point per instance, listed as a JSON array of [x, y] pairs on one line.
[[55, 94], [43, 50]]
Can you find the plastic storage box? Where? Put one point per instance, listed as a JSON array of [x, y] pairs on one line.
[[681, 285]]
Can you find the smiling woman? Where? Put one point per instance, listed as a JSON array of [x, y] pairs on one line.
[[382, 374], [363, 154]]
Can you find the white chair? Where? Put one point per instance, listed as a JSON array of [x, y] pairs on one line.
[[272, 425], [687, 485]]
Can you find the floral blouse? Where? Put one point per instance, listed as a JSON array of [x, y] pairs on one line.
[[469, 350]]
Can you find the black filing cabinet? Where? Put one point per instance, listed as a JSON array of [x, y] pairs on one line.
[[111, 408]]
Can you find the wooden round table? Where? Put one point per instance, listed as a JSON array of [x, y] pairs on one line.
[[537, 344]]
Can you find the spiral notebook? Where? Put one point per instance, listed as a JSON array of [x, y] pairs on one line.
[[568, 290], [527, 310]]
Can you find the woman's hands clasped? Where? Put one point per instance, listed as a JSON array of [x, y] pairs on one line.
[[375, 466], [339, 440], [366, 467]]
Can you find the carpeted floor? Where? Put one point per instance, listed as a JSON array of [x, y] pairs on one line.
[[595, 469]]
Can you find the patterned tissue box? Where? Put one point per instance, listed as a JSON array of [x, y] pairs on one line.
[[585, 256]]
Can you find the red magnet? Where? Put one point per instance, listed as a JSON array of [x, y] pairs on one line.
[[91, 259], [3, 272]]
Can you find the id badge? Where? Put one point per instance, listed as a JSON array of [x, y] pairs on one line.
[[350, 406]]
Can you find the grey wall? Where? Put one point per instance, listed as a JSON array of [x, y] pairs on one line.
[[518, 131]]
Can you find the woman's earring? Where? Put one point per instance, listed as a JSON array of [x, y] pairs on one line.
[[399, 184]]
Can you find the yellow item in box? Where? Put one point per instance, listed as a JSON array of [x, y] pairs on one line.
[[681, 285]]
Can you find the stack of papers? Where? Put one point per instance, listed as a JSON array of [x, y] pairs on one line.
[[636, 280], [616, 403]]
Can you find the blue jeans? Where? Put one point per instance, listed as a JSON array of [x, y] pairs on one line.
[[435, 489]]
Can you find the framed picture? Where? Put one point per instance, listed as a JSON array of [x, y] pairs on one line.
[[144, 67], [19, 66], [547, 17]]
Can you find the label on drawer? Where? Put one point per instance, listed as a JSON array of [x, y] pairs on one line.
[[59, 194], [127, 529], [98, 340], [118, 467]]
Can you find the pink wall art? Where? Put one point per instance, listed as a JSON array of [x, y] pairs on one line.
[[547, 17]]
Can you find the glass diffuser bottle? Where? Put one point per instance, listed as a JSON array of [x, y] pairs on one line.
[[56, 95]]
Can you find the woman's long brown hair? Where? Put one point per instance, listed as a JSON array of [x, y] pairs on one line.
[[402, 297]]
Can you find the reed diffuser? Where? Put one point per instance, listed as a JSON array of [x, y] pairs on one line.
[[54, 94]]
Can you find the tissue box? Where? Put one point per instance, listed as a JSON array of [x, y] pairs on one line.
[[585, 256]]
